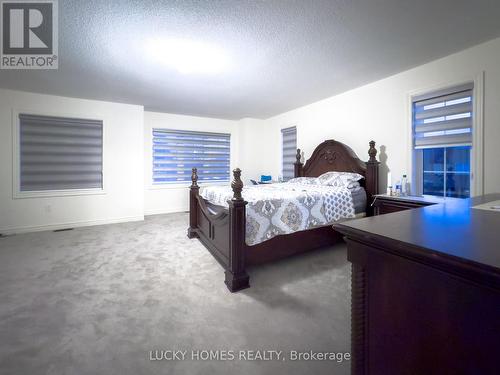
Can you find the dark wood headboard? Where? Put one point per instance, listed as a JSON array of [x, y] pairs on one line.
[[335, 156]]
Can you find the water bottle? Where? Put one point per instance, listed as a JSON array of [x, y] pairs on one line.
[[404, 185], [398, 189]]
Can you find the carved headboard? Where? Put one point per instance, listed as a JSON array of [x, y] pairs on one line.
[[332, 155]]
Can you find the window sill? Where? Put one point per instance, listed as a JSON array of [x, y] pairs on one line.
[[186, 185], [57, 193]]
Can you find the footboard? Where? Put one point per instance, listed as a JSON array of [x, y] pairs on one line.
[[223, 232], [213, 231]]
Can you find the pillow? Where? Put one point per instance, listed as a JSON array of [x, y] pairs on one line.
[[304, 181], [339, 179]]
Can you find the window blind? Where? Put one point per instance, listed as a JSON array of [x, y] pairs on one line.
[[289, 150], [443, 118], [59, 153], [176, 152]]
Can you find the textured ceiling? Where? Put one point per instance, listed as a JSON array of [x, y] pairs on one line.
[[284, 54]]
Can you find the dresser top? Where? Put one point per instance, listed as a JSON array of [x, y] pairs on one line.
[[430, 199], [452, 229]]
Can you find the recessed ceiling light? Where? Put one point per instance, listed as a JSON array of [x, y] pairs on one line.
[[188, 56]]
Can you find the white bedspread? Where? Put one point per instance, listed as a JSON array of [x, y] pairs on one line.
[[277, 209]]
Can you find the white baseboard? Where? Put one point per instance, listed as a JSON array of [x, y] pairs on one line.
[[75, 224], [170, 210]]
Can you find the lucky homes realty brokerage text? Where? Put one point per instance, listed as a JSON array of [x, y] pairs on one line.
[[247, 355]]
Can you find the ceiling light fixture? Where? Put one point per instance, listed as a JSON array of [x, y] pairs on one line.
[[187, 56]]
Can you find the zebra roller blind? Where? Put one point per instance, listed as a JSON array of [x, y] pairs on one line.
[[443, 118], [59, 153], [176, 152], [289, 150]]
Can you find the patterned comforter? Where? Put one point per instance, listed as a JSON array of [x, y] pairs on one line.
[[277, 209]]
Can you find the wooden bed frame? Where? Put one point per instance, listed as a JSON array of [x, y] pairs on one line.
[[222, 230]]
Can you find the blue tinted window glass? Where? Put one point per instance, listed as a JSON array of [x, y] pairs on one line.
[[433, 181], [458, 172], [457, 185], [447, 171], [434, 160], [458, 159], [433, 184]]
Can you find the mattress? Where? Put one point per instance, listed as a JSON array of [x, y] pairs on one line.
[[358, 194], [278, 209], [359, 200]]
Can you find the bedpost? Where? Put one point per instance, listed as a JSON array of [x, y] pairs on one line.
[[298, 165], [371, 177], [193, 204], [236, 276]]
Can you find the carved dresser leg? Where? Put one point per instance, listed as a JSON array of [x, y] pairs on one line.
[[358, 320]]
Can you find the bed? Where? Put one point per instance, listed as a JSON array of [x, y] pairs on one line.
[[226, 223]]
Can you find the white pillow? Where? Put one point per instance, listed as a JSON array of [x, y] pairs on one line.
[[339, 179], [304, 181]]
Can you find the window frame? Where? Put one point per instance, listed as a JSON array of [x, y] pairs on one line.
[[16, 160], [415, 163], [181, 184]]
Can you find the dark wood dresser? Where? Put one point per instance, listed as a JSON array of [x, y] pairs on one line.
[[426, 290], [385, 204]]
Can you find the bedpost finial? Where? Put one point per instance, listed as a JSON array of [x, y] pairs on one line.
[[372, 152], [298, 155], [237, 184], [194, 177]]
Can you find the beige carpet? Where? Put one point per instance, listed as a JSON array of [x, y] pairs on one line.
[[97, 300]]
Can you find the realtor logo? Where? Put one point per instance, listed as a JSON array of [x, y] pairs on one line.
[[29, 34]]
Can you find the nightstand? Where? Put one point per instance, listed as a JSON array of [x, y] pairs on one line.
[[385, 204]]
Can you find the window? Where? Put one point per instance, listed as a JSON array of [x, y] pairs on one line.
[[59, 153], [289, 150], [442, 129], [176, 152], [446, 171]]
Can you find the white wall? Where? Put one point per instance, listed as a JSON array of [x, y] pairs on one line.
[[258, 148], [123, 166], [380, 111]]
